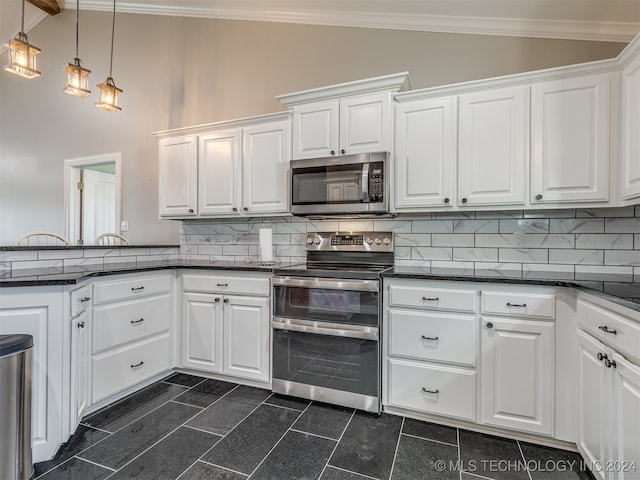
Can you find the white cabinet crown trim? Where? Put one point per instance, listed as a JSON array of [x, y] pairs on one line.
[[225, 124]]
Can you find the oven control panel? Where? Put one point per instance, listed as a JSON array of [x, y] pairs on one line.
[[352, 241]]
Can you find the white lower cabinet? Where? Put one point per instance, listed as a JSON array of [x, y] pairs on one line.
[[226, 333], [80, 397], [609, 399], [38, 311]]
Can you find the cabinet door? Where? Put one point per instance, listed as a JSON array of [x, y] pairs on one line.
[[626, 422], [80, 367], [492, 147], [266, 155], [517, 382], [630, 169], [219, 173], [246, 337], [365, 124], [178, 176], [570, 140], [593, 405], [202, 331], [425, 149], [315, 129]]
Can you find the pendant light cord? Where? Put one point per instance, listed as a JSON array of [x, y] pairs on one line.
[[77, 29], [113, 29], [22, 22]]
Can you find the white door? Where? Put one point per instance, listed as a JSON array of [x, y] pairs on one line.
[[593, 402], [266, 155], [492, 147], [570, 140], [425, 154], [365, 124], [219, 173], [517, 374], [202, 331], [630, 169], [99, 206], [178, 176], [246, 337], [315, 129], [626, 418], [80, 371]]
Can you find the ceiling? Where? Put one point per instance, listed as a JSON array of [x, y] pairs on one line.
[[602, 20]]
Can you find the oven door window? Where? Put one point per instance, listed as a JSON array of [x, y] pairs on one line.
[[336, 306], [327, 185], [339, 363]]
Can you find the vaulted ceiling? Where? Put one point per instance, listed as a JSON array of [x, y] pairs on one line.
[[604, 20]]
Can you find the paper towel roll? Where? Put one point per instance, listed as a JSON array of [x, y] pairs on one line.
[[266, 245]]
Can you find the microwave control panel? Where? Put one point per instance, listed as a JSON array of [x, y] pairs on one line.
[[376, 182]]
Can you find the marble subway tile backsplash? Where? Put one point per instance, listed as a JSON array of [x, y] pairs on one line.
[[565, 244]]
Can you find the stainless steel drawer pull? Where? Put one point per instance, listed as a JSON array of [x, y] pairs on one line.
[[85, 299], [435, 392], [430, 338], [222, 284], [136, 289], [518, 305], [605, 329], [433, 299], [137, 365], [136, 322]]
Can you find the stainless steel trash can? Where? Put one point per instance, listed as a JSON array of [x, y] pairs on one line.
[[16, 358]]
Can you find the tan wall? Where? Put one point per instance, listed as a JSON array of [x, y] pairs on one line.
[[178, 72]]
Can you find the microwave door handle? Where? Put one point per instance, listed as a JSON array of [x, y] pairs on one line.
[[365, 183]]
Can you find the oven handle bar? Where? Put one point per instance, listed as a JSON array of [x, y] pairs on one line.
[[326, 328], [328, 284]]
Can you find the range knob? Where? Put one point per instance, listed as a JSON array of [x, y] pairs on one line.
[[309, 240], [317, 241], [369, 240], [378, 241], [386, 240]]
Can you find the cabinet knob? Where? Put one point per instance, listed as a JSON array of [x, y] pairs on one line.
[[216, 299], [333, 152], [446, 200], [80, 324], [601, 356], [610, 363], [538, 197], [464, 200], [343, 151], [489, 325], [235, 209], [226, 300], [246, 209], [191, 210]]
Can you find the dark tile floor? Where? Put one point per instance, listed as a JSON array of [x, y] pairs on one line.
[[193, 428]]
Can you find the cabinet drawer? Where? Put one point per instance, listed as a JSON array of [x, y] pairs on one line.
[[515, 304], [433, 336], [80, 300], [432, 298], [234, 283], [126, 366], [131, 288], [456, 389], [601, 323], [119, 323]]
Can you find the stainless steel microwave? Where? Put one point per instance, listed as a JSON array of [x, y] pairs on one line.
[[344, 185]]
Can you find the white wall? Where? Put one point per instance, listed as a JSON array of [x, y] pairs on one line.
[[177, 72]]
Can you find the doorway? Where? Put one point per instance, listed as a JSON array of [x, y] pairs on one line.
[[92, 197]]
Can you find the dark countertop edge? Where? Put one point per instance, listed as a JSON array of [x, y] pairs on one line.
[[12, 248]]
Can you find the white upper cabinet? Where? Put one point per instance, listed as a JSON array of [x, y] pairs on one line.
[[219, 172], [492, 147], [178, 176], [344, 119], [236, 168], [630, 152], [425, 154], [570, 140]]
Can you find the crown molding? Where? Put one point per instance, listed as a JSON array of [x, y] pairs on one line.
[[514, 27]]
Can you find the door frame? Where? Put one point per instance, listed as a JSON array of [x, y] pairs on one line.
[[72, 169]]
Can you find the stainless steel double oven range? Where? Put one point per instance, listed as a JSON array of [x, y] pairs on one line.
[[326, 320]]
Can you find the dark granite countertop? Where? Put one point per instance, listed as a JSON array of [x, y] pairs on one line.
[[22, 248]]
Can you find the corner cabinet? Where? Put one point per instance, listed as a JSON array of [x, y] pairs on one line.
[[630, 152], [344, 119], [235, 168]]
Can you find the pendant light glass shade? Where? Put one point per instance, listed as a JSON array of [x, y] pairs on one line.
[[77, 79], [22, 55], [109, 96], [77, 76], [108, 91]]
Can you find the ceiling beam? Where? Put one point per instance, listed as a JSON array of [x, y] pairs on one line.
[[49, 6]]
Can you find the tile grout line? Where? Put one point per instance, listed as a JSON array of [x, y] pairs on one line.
[[218, 466], [523, 459], [309, 433], [459, 455], [395, 453], [337, 443], [428, 439]]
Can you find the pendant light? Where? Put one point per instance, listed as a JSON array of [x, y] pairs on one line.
[[22, 55], [108, 90], [77, 76]]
